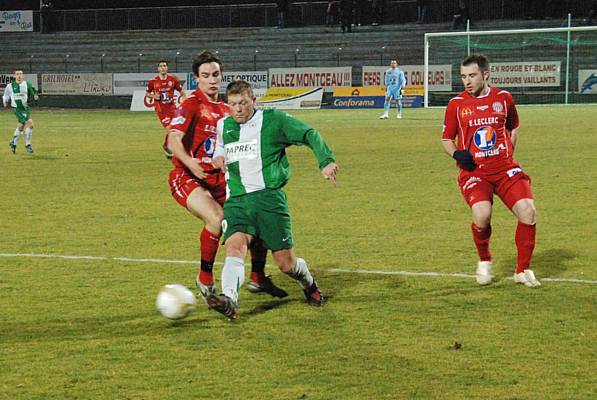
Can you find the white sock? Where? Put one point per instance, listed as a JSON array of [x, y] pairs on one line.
[[301, 273], [233, 276], [28, 133], [16, 136]]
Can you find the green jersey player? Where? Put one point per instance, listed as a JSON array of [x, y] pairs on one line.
[[18, 94], [251, 147]]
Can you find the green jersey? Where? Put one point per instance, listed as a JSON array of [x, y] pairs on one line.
[[19, 94], [255, 151]]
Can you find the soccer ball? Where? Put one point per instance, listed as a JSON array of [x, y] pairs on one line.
[[175, 301]]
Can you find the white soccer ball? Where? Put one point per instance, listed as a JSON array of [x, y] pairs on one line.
[[175, 301]]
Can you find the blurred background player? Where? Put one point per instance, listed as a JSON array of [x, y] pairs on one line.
[[195, 183], [251, 148], [18, 94], [480, 133], [394, 81], [161, 90]]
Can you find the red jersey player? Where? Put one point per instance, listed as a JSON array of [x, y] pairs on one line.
[[194, 182], [161, 90], [480, 133]]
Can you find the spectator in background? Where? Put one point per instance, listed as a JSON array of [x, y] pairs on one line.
[[591, 15], [282, 9], [45, 11], [422, 11], [330, 13], [346, 15], [461, 14], [378, 9]]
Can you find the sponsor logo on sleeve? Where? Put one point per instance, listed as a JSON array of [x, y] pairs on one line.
[[513, 171], [178, 120]]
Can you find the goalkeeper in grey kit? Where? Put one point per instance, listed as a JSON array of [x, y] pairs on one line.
[[251, 149]]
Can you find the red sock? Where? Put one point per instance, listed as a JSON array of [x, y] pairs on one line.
[[207, 278], [209, 248], [525, 244], [258, 255], [481, 238]]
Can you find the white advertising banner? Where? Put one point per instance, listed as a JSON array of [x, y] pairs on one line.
[[257, 79], [16, 21], [439, 78], [291, 98], [77, 84], [140, 103], [126, 84], [6, 79], [525, 74], [587, 81], [325, 77]]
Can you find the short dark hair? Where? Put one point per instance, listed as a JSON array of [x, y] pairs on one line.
[[205, 57], [162, 61], [479, 59], [239, 87]]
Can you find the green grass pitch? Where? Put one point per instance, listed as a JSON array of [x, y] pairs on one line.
[[76, 328]]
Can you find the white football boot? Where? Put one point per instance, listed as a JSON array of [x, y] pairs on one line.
[[527, 277], [384, 116], [484, 272], [399, 116]]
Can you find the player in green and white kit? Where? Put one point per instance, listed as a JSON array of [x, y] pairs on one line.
[[251, 149], [17, 94]]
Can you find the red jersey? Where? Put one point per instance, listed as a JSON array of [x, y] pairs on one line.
[[164, 88], [197, 117], [483, 126]]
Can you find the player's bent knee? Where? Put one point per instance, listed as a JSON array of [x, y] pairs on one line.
[[525, 211], [481, 214], [237, 245], [285, 260]]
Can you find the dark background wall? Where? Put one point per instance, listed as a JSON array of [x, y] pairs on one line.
[[551, 8]]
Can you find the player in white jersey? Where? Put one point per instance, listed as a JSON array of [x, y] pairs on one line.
[[18, 94], [395, 81]]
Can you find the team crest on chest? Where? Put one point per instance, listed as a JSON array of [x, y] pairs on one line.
[[497, 107], [205, 113]]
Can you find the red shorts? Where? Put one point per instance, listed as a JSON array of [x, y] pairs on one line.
[[165, 113], [182, 184], [510, 185]]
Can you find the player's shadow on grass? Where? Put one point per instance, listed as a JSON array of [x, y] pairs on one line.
[[550, 262], [267, 306]]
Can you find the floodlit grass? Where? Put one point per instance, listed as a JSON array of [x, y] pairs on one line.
[[97, 186]]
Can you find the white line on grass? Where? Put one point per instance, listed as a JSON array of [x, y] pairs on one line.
[[338, 270]]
